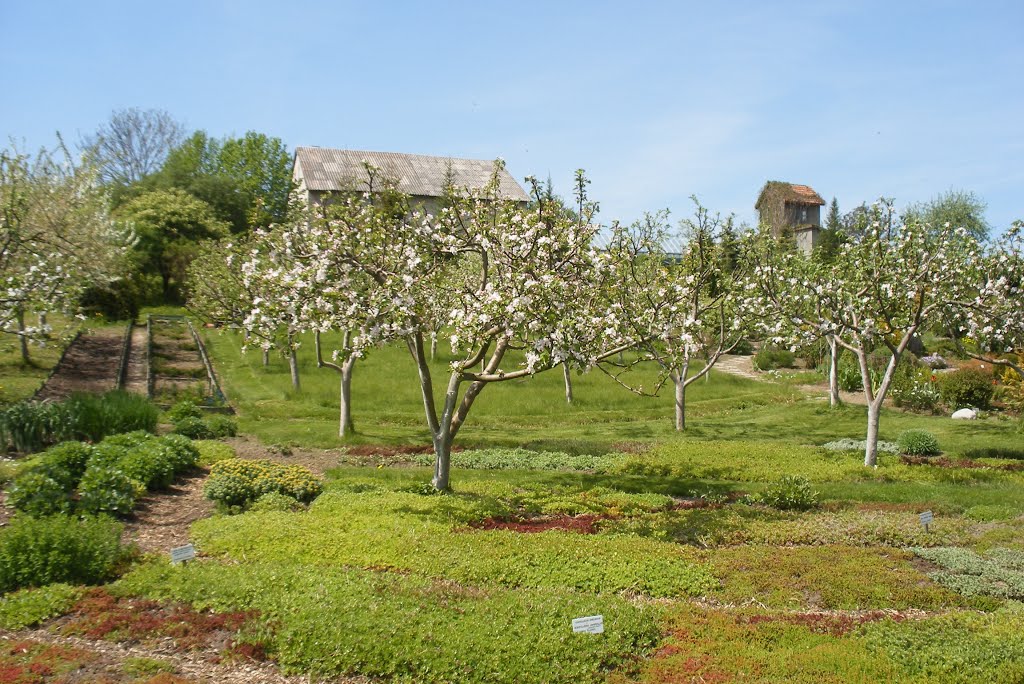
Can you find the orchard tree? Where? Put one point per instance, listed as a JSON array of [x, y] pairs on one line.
[[681, 309], [516, 279], [885, 285], [56, 237], [991, 326]]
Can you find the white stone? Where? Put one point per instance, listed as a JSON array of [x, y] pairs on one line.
[[965, 414]]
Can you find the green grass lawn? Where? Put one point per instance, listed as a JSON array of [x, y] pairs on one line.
[[387, 408]]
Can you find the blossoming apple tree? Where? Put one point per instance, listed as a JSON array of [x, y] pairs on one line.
[[884, 286], [56, 236], [520, 290], [681, 308]]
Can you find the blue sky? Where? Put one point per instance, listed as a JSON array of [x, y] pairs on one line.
[[656, 100]]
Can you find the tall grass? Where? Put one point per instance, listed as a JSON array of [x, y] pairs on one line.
[[30, 426]]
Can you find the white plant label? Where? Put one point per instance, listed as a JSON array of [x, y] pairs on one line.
[[593, 624], [183, 553], [926, 518]]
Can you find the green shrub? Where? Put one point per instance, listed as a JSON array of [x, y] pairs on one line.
[[39, 551], [918, 443], [239, 482], [913, 388], [967, 388], [71, 457], [222, 426], [38, 494], [150, 464], [106, 490], [790, 493], [181, 452], [770, 359], [184, 409], [129, 440], [273, 501], [193, 428], [848, 375]]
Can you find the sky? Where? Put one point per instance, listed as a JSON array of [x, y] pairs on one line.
[[656, 101]]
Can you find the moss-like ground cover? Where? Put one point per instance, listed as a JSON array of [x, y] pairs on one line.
[[696, 582]]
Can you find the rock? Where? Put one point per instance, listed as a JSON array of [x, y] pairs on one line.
[[965, 414]]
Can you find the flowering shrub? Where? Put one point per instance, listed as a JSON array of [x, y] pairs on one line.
[[237, 483], [915, 390]]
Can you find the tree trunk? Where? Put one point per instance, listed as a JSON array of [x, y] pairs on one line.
[[345, 425], [833, 373], [442, 463], [433, 345], [22, 340], [871, 443], [266, 358], [568, 383], [680, 403], [293, 368]]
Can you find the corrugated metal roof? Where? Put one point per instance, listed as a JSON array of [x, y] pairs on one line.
[[324, 169]]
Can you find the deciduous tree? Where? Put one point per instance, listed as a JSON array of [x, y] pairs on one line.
[[885, 285]]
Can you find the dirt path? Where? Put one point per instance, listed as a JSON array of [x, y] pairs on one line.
[[162, 519], [105, 662], [137, 377], [737, 365], [89, 365]]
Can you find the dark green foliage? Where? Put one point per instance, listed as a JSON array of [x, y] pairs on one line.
[[770, 359], [69, 457], [184, 409], [193, 428], [967, 388], [98, 415], [106, 490], [31, 426], [39, 551], [148, 464], [918, 443], [38, 494], [222, 426], [181, 452], [790, 493]]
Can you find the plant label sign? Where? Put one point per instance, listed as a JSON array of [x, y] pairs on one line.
[[593, 624], [926, 519], [183, 553]]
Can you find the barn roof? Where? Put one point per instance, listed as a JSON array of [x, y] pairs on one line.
[[789, 192], [325, 169]]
